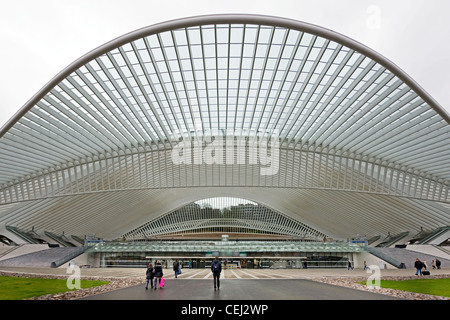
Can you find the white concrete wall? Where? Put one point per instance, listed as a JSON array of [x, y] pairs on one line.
[[428, 249], [370, 259], [81, 260], [24, 249]]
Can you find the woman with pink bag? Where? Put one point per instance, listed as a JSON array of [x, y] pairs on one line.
[[159, 274]]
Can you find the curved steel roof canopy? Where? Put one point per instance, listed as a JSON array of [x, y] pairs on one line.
[[169, 114]]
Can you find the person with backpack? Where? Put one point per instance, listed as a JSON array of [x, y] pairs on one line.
[[216, 268], [176, 268], [418, 265], [150, 274]]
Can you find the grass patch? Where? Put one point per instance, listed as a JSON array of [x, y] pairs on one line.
[[437, 287], [17, 288]]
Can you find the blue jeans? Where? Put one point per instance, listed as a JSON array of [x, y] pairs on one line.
[[418, 271]]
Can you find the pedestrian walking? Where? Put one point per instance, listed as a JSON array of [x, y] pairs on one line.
[[216, 268], [176, 268], [158, 274], [418, 265], [150, 274], [433, 264], [438, 263], [349, 267]]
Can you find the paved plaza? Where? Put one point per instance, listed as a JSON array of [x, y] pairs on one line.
[[199, 274], [252, 284], [242, 290], [236, 284]]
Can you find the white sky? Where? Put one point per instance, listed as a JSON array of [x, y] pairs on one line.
[[38, 39]]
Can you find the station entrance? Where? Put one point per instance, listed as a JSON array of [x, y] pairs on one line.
[[120, 261], [233, 254]]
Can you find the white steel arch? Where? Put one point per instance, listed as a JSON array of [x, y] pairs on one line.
[[347, 125], [224, 216]]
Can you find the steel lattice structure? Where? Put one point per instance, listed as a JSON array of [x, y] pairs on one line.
[[362, 148], [224, 216]]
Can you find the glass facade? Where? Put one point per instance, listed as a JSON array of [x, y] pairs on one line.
[[234, 254], [300, 261]]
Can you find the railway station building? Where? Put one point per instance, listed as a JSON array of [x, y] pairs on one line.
[[269, 142]]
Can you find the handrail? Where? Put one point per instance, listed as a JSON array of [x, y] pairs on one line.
[[58, 239], [442, 248], [67, 257], [22, 234], [434, 234], [385, 257], [10, 249], [389, 241]]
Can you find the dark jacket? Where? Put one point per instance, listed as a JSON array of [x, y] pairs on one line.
[[150, 273], [438, 263], [158, 270], [418, 264], [176, 266], [216, 266]]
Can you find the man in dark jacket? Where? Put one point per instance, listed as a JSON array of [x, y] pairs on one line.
[[216, 268], [418, 265], [176, 267], [150, 274]]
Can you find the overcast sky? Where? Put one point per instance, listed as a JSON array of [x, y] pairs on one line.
[[38, 39]]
